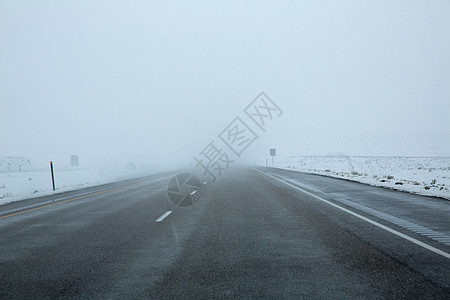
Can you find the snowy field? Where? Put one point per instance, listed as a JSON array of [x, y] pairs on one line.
[[29, 183], [421, 175]]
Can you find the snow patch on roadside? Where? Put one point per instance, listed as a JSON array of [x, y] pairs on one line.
[[428, 176]]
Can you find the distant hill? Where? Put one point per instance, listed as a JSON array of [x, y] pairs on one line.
[[14, 164]]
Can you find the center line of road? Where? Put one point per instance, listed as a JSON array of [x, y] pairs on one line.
[[393, 231], [165, 215], [68, 200]]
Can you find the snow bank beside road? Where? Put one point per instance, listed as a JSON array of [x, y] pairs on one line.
[[16, 186], [421, 175]]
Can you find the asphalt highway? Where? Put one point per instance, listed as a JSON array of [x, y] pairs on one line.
[[254, 233]]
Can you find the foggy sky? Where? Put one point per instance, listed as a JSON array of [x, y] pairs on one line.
[[156, 81]]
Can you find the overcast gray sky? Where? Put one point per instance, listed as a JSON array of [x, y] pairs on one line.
[[156, 81]]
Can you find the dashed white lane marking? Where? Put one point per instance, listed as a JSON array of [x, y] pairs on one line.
[[393, 231], [165, 215]]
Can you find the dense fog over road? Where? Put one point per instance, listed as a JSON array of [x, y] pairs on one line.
[[154, 82]]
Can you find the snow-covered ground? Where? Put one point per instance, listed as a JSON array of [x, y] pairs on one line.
[[14, 164], [421, 175], [15, 185]]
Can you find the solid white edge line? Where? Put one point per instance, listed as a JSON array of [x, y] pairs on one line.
[[404, 236], [165, 215]]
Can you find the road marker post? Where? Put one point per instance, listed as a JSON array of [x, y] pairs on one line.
[[53, 176]]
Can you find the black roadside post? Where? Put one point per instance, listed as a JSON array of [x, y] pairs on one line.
[[53, 177]]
